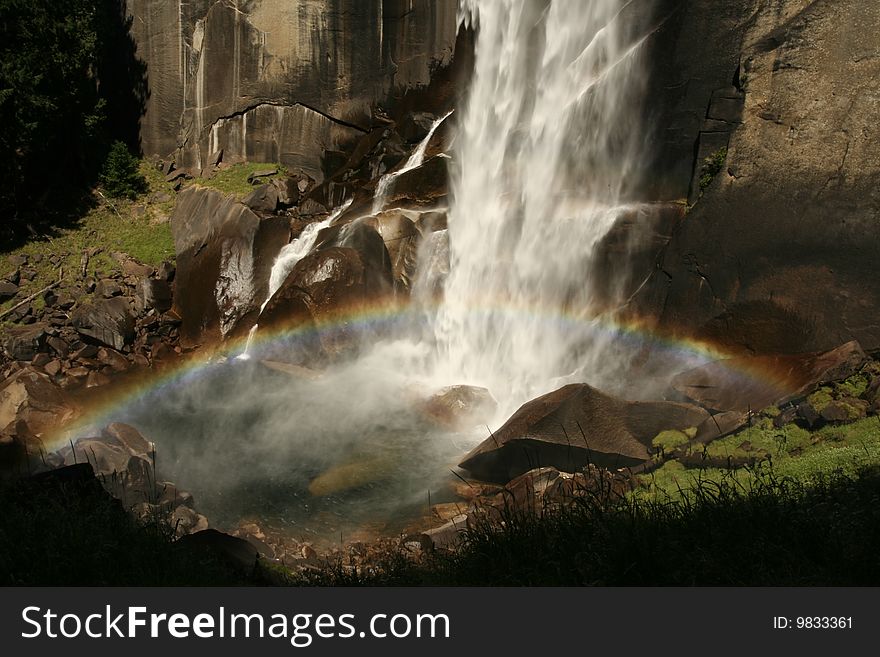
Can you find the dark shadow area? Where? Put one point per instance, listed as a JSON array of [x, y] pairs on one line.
[[72, 84]]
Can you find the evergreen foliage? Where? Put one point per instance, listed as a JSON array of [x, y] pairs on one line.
[[68, 79]]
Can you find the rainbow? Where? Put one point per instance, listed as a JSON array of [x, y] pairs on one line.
[[100, 405]]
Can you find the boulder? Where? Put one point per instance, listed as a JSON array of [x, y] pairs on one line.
[[25, 342], [237, 552], [154, 294], [402, 239], [113, 359], [752, 383], [108, 288], [224, 255], [254, 177], [460, 407], [128, 477], [108, 321], [264, 199], [7, 290], [128, 437], [424, 185], [31, 396], [415, 126], [348, 273], [574, 426]]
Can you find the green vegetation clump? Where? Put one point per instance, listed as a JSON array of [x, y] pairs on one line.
[[139, 228], [855, 386], [820, 399], [55, 116], [776, 532], [712, 166], [121, 176], [669, 440], [234, 179]]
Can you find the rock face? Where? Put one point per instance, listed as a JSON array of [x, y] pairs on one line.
[[280, 80], [574, 426], [753, 383], [325, 291], [779, 254], [224, 255]]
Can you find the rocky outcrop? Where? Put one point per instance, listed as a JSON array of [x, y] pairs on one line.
[[779, 253], [574, 426], [752, 383], [276, 80], [224, 256]]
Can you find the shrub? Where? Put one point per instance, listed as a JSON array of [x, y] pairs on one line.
[[121, 177], [712, 166]]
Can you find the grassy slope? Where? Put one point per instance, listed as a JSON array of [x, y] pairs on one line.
[[139, 228]]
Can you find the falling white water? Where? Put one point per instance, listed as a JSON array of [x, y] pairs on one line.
[[547, 149], [286, 260], [416, 159]]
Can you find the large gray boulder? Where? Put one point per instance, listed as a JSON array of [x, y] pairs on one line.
[[108, 321], [574, 426], [224, 256]]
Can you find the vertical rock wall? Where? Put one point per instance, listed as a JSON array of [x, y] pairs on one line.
[[280, 79]]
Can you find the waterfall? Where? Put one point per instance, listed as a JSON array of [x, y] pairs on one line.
[[548, 146], [386, 182], [286, 260]]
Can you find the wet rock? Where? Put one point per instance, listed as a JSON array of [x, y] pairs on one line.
[[330, 284], [85, 352], [460, 407], [109, 321], [574, 426], [424, 185], [170, 496], [224, 255], [415, 126], [128, 437], [756, 382], [23, 343], [402, 240], [8, 291]]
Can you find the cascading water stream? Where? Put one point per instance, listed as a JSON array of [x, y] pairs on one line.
[[286, 260], [386, 182], [548, 145]]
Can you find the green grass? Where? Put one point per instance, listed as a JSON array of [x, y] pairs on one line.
[[791, 451], [779, 532], [234, 180], [112, 225]]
